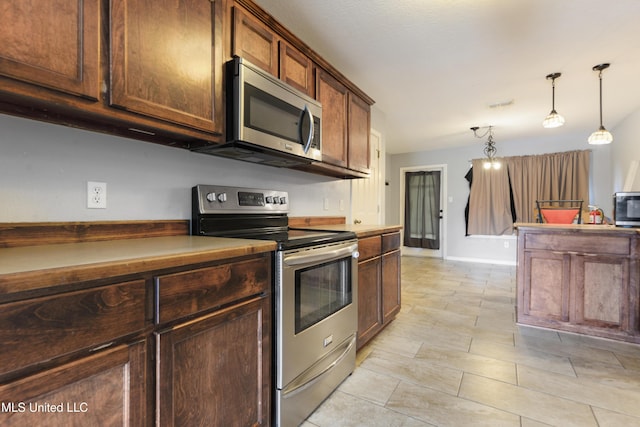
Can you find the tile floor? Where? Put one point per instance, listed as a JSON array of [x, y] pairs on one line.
[[455, 357]]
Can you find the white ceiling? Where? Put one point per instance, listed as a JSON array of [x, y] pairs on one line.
[[435, 67]]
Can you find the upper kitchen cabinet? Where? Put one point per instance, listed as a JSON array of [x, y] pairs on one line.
[[263, 47], [345, 126], [333, 96], [254, 41], [53, 44], [163, 60], [296, 69], [359, 131]]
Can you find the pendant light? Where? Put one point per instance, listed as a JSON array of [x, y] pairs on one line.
[[490, 149], [553, 120], [601, 136]]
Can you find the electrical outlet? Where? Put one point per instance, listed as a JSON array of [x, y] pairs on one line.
[[96, 195]]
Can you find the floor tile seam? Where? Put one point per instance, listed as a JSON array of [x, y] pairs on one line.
[[568, 352], [511, 411], [384, 406], [587, 401], [513, 361]]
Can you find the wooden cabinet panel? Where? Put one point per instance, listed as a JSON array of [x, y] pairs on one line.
[[254, 41], [333, 97], [187, 293], [163, 56], [390, 285], [40, 329], [602, 290], [104, 389], [296, 69], [215, 370], [573, 242], [546, 287], [369, 247], [369, 310], [359, 131], [390, 242], [54, 44]]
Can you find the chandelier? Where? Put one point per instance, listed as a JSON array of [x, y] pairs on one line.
[[490, 149]]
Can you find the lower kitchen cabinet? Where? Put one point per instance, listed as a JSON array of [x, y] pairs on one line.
[[378, 284], [214, 356], [103, 389], [181, 345], [579, 280], [215, 370]]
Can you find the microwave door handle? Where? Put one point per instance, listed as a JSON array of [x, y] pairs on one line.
[[306, 144]]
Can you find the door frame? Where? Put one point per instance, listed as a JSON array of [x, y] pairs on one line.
[[442, 252]]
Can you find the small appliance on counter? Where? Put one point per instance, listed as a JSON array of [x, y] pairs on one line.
[[626, 209], [596, 215]]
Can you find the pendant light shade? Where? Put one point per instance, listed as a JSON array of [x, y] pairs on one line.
[[553, 120], [601, 136]]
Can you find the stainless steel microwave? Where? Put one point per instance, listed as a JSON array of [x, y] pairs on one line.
[[268, 121], [626, 209]]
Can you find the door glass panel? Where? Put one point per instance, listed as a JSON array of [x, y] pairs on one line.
[[321, 291], [269, 114]]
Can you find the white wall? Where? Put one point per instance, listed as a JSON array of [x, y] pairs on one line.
[[486, 249], [625, 149], [44, 169]]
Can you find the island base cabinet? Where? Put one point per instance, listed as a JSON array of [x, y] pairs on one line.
[[215, 369], [567, 282], [104, 389]]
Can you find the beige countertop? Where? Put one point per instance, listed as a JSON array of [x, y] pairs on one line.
[[361, 230], [32, 268]]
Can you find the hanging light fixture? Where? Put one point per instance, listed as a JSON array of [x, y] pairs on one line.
[[490, 149], [553, 120], [601, 136]]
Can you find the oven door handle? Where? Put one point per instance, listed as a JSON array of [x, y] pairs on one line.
[[299, 259]]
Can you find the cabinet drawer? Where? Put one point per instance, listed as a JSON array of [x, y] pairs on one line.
[[40, 329], [390, 242], [369, 247], [583, 243], [190, 292]]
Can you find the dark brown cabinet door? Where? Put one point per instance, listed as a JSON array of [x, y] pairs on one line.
[[296, 69], [163, 56], [369, 310], [254, 41], [333, 97], [359, 129], [390, 285], [104, 389], [54, 43], [215, 370]]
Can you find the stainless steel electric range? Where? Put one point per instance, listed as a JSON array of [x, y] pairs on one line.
[[315, 292]]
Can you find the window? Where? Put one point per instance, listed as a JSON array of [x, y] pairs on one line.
[[498, 198]]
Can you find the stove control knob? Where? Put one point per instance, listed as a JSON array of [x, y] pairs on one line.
[[270, 199], [211, 197], [222, 197], [283, 200]]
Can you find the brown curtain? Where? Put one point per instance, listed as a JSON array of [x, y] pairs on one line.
[[555, 176], [489, 201], [519, 183]]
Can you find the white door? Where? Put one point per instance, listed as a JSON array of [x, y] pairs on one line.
[[367, 193], [437, 253]]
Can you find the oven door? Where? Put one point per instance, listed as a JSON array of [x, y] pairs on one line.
[[316, 306]]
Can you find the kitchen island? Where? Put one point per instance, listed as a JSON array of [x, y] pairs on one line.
[[579, 278]]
